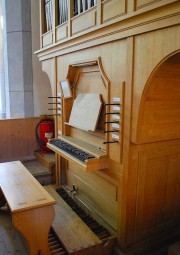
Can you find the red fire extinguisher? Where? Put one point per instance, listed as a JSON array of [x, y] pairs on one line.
[[44, 131]]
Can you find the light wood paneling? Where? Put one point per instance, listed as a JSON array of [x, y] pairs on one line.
[[103, 186], [112, 9], [47, 38], [100, 191], [61, 32], [145, 46], [25, 192], [160, 106], [98, 202], [158, 190], [78, 24], [143, 3], [18, 141]]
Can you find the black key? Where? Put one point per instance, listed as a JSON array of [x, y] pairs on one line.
[[77, 153]]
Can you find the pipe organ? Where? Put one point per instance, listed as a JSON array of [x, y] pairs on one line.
[[114, 68]]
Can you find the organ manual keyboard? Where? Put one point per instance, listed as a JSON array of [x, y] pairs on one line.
[[88, 156], [72, 150]]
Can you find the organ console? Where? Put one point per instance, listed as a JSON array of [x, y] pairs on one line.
[[117, 137], [86, 155]]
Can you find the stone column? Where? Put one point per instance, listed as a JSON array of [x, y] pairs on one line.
[[19, 57], [2, 76]]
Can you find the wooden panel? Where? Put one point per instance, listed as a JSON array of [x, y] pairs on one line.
[[96, 197], [47, 38], [159, 117], [147, 57], [143, 3], [158, 191], [48, 160], [97, 139], [61, 32], [25, 192], [71, 230], [112, 9], [94, 83], [18, 141], [84, 21], [37, 221], [102, 186], [170, 204], [85, 111]]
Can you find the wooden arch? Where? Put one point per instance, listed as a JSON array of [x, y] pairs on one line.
[[159, 114]]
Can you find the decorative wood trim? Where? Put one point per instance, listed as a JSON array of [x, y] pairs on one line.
[[123, 20], [145, 4], [113, 17], [123, 190], [61, 32], [118, 32], [122, 122], [139, 137], [77, 23], [47, 38]]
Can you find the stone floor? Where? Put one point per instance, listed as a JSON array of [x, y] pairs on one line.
[[11, 242]]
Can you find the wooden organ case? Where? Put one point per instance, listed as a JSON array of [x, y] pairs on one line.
[[125, 54]]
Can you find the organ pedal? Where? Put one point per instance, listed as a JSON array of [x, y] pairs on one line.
[[74, 231]]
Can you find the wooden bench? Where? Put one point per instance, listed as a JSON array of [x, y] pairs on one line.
[[30, 205]]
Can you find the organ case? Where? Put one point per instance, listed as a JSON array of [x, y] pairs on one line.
[[122, 58]]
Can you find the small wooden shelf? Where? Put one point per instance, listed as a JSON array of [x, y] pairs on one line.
[[98, 132], [99, 162]]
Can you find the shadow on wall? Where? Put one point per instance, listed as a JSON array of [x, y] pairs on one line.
[[42, 90]]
